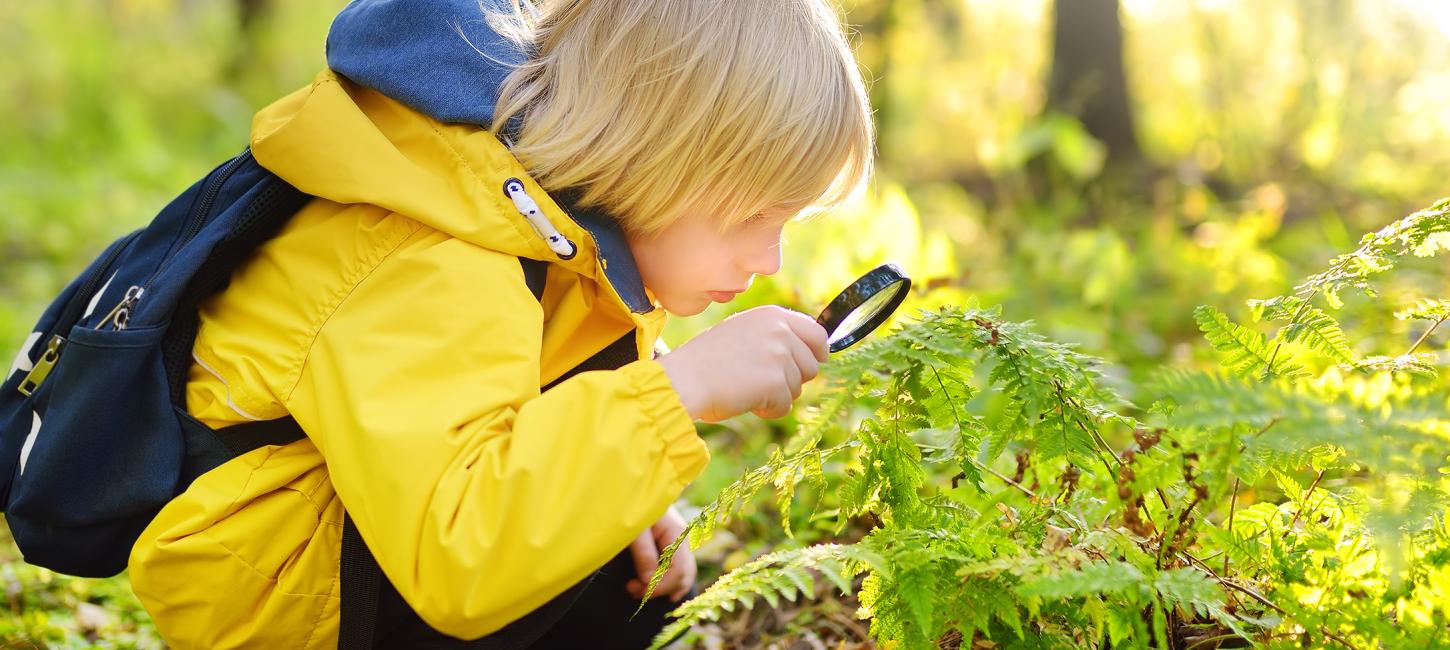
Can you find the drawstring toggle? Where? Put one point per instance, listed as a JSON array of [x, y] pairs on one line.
[[525, 204]]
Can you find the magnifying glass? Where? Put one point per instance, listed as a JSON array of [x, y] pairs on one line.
[[864, 306]]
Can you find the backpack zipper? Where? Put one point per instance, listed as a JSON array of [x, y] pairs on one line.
[[42, 367], [120, 316]]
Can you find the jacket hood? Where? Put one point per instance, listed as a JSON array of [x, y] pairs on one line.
[[439, 57], [400, 121]]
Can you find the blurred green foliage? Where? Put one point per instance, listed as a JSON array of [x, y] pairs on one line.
[[1274, 133]]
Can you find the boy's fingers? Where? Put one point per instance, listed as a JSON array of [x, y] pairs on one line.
[[775, 405], [645, 555], [793, 380], [811, 332], [805, 360], [687, 580]]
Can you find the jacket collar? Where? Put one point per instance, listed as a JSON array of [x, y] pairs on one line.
[[615, 259], [442, 59]]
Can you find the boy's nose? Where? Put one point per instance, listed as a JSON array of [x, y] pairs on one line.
[[764, 261]]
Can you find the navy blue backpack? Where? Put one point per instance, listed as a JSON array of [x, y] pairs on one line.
[[94, 434]]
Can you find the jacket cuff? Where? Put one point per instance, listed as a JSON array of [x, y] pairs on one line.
[[683, 447]]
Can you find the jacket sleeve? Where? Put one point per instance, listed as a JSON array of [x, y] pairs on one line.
[[481, 498]]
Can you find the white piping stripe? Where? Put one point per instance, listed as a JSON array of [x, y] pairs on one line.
[[96, 299], [22, 358], [29, 440], [230, 403]]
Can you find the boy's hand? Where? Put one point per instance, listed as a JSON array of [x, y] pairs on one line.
[[754, 361], [680, 577]]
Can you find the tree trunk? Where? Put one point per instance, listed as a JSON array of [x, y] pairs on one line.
[[1087, 74]]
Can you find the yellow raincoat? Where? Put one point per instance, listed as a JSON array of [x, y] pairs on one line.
[[390, 317]]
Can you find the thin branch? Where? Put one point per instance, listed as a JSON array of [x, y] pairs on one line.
[[1232, 503], [1307, 494], [1216, 577], [1275, 354], [1008, 480], [1426, 335], [1267, 603], [1213, 639]]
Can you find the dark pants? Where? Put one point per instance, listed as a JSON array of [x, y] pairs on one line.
[[595, 614]]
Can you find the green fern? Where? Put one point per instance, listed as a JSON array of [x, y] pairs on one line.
[[1421, 234], [782, 575], [1075, 542], [1427, 309], [1420, 365], [1245, 352]]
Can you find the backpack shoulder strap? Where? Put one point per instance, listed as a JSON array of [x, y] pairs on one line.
[[361, 577], [536, 274]]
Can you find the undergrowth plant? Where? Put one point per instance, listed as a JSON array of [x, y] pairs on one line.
[[1294, 497]]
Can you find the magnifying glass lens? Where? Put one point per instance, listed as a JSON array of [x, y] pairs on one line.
[[867, 311], [864, 306]]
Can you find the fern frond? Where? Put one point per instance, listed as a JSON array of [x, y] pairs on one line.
[[1092, 578], [780, 575], [1243, 351], [783, 471], [1320, 332], [1305, 324], [1422, 234], [1420, 364]]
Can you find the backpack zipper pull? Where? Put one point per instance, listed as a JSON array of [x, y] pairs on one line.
[[120, 315], [43, 366]]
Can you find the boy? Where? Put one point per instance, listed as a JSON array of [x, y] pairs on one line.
[[494, 450]]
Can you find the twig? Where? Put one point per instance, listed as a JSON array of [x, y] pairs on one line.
[[1307, 494], [1212, 639], [1426, 335], [1008, 480], [1216, 577], [1267, 603], [1268, 369], [1232, 502]]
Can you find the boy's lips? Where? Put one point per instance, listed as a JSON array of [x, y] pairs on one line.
[[722, 296]]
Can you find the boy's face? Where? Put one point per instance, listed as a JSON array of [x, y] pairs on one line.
[[691, 263]]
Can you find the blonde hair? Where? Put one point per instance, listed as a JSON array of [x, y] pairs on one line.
[[651, 109]]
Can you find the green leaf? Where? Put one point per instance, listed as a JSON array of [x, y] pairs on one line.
[[1241, 350], [1190, 589], [1320, 332], [1420, 364], [1093, 578], [1426, 309]]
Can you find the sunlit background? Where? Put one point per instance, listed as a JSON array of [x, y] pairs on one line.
[[1249, 141]]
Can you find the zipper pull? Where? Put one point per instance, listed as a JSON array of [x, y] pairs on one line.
[[120, 315], [43, 366]]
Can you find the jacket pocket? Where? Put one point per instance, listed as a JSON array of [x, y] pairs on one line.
[[246, 557]]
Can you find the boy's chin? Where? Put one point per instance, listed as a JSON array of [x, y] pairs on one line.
[[688, 307]]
